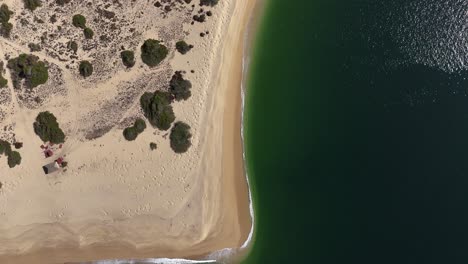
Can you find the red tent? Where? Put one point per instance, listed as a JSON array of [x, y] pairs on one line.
[[48, 153]]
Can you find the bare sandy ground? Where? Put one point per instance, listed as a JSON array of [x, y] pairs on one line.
[[119, 199]]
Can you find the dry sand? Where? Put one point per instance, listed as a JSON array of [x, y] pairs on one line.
[[119, 199]]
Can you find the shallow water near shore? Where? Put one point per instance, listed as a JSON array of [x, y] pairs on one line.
[[356, 132]]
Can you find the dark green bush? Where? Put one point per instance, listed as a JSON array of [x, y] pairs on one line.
[[5, 29], [14, 159], [183, 47], [88, 33], [140, 125], [208, 2], [128, 58], [3, 81], [153, 146], [153, 52], [79, 21], [47, 128], [130, 133], [32, 4], [5, 13], [157, 109], [86, 68], [179, 87], [28, 67], [180, 137], [5, 147]]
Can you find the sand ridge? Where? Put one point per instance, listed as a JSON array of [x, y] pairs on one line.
[[118, 199]]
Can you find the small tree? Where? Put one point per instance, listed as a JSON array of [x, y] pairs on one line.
[[5, 13], [153, 52], [86, 68], [157, 109], [128, 58], [183, 47], [47, 128], [14, 159], [179, 87], [88, 33], [30, 68], [32, 4], [180, 137], [79, 21]]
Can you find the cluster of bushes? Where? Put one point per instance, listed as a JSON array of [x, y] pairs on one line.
[[30, 68], [13, 157], [5, 26], [128, 58], [179, 87], [131, 133], [208, 2], [183, 47], [157, 109], [47, 128], [3, 81], [85, 68], [153, 52], [180, 137], [32, 4], [79, 21]]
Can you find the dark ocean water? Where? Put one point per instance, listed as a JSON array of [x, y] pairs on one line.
[[356, 132]]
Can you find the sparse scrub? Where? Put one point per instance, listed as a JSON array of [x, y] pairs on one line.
[[153, 52], [180, 137], [72, 45], [32, 4]]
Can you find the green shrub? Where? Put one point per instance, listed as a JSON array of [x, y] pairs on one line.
[[3, 81], [152, 52], [14, 159], [5, 29], [5, 13], [88, 33], [79, 21], [153, 146], [130, 133], [28, 67], [140, 125], [208, 2], [179, 87], [157, 109], [86, 68], [183, 47], [47, 128], [32, 4], [128, 58], [180, 137]]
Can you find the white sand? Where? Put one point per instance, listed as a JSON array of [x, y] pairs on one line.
[[119, 199]]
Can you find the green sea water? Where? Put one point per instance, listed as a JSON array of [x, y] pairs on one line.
[[356, 132]]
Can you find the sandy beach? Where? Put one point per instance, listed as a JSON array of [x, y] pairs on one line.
[[118, 199]]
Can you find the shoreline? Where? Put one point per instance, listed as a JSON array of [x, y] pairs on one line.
[[235, 226]]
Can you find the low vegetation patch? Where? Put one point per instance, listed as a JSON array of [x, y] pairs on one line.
[[47, 128], [153, 146], [72, 45], [88, 33], [32, 4], [180, 137], [153, 52], [3, 81], [85, 68], [183, 47], [157, 109], [208, 2], [179, 87], [29, 68], [128, 58], [131, 133], [5, 26]]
